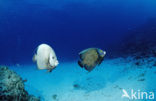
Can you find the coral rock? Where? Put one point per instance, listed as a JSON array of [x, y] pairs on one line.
[[12, 87]]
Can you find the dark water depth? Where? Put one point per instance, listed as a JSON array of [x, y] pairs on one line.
[[69, 26]]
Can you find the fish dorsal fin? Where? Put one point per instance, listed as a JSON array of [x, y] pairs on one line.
[[84, 51]]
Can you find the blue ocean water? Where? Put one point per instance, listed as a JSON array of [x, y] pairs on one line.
[[70, 26]]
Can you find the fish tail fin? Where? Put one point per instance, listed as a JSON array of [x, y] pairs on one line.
[[34, 58], [80, 64]]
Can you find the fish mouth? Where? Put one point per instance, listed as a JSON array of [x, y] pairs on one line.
[[55, 64], [103, 54]]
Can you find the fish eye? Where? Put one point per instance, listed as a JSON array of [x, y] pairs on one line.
[[53, 57]]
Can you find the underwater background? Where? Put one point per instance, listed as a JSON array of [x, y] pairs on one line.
[[67, 25], [125, 29]]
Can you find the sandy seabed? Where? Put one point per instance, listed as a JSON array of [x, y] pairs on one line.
[[69, 82]]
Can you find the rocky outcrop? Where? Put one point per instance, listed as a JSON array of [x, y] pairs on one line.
[[12, 87]]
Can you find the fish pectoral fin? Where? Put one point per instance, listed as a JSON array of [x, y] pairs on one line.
[[80, 63]]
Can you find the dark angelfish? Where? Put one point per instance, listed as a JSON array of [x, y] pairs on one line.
[[90, 58]]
